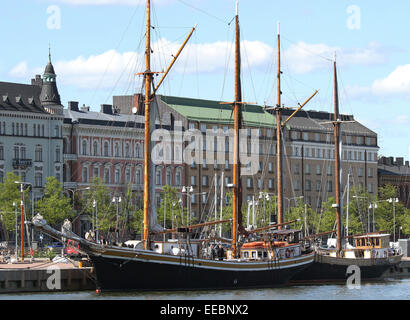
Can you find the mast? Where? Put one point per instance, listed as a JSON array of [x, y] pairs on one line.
[[278, 111], [336, 124], [147, 145], [237, 201]]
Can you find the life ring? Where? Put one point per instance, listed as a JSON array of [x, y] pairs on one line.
[[287, 253]]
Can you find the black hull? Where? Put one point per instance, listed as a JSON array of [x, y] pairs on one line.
[[334, 270], [114, 275]]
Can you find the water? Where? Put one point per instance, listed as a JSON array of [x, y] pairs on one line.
[[393, 289]]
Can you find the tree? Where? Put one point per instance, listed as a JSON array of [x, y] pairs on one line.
[[9, 194], [54, 206]]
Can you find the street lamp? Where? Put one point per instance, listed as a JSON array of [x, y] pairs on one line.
[[188, 190], [15, 209], [394, 201], [116, 200], [22, 218], [372, 206]]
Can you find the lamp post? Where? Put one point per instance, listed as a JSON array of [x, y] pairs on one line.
[[116, 200], [15, 210], [95, 228], [373, 206], [188, 190], [22, 218], [394, 201]]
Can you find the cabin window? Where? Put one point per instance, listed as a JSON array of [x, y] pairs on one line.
[[253, 254], [259, 254], [246, 254]]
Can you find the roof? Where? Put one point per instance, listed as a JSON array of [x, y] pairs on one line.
[[213, 111], [20, 97]]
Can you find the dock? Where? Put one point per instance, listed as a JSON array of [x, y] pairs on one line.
[[43, 275]]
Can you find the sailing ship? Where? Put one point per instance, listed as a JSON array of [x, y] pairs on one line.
[[370, 252], [271, 261]]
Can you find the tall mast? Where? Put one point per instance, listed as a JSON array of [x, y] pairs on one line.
[[336, 123], [147, 144], [278, 112], [236, 214]]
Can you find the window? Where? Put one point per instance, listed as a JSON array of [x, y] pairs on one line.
[[168, 177], [370, 173], [178, 176], [1, 152], [296, 168], [56, 131], [158, 178], [227, 164], [249, 182], [270, 184], [138, 176], [193, 180], [84, 148], [127, 150], [117, 150], [270, 167], [297, 185], [38, 179], [106, 149], [307, 170], [305, 136], [318, 169], [317, 137], [329, 170], [85, 174], [329, 186], [371, 187], [318, 185], [204, 198], [117, 176], [95, 148], [58, 154], [138, 152], [38, 155], [204, 181], [107, 175], [360, 172], [308, 185], [128, 175], [203, 128], [34, 130], [1, 176], [96, 172]]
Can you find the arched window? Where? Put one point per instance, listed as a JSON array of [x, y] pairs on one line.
[[85, 174], [107, 175], [38, 156], [138, 175], [117, 149], [58, 152], [84, 148], [169, 177], [127, 150], [138, 151], [158, 176], [117, 176], [95, 148], [178, 177], [106, 149]]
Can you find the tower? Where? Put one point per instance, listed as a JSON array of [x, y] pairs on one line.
[[49, 97]]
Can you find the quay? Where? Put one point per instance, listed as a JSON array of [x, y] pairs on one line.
[[43, 275]]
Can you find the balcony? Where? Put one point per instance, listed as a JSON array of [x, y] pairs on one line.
[[70, 157], [22, 163]]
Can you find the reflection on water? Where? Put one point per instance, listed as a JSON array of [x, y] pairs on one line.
[[386, 290]]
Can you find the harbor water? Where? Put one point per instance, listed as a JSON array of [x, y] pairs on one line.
[[392, 289]]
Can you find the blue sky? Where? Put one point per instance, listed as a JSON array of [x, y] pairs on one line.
[[97, 47]]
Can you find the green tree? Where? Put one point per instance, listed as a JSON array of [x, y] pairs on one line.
[[104, 211], [9, 194], [54, 206]]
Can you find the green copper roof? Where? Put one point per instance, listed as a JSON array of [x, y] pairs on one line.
[[215, 112]]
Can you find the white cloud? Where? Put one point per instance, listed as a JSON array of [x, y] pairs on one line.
[[304, 58], [20, 70], [396, 84]]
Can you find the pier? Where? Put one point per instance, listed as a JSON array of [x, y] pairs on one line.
[[43, 275]]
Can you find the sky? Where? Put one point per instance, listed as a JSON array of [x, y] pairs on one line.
[[97, 49]]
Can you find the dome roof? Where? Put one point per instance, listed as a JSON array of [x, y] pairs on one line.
[[49, 69]]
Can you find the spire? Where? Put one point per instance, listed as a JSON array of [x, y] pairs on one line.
[[49, 97]]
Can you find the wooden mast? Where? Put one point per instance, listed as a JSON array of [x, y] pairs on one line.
[[236, 214], [336, 132], [147, 144], [278, 111]]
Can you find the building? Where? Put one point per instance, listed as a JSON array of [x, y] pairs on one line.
[[31, 123], [395, 172], [309, 151]]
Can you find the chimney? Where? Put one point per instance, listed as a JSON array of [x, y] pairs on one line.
[[106, 108], [407, 164], [400, 161], [390, 161], [85, 108], [73, 105], [37, 81]]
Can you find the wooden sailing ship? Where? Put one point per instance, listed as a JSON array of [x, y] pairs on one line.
[[156, 265], [371, 252]]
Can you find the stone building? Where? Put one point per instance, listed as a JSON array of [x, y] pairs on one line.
[[395, 172]]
